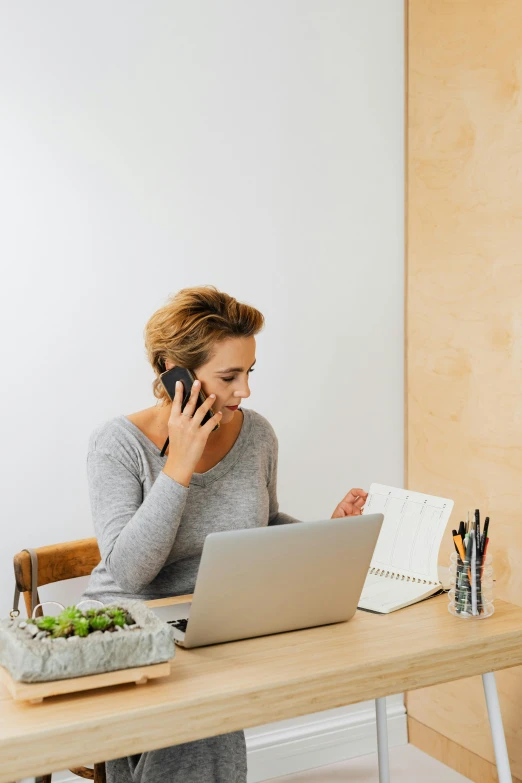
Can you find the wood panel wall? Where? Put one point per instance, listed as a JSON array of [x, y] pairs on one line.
[[464, 320]]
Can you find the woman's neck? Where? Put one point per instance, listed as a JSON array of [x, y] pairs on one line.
[[161, 415]]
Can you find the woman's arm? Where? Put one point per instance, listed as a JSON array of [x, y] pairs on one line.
[[135, 536], [276, 517]]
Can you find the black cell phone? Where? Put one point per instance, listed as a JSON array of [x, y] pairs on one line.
[[187, 378]]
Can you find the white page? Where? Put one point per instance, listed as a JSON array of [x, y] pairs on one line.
[[385, 595], [411, 533]]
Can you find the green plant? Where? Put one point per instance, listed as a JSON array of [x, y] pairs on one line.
[[81, 626], [74, 622], [118, 618], [71, 613], [62, 627], [99, 622], [46, 623]]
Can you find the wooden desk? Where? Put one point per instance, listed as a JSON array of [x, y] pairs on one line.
[[213, 690]]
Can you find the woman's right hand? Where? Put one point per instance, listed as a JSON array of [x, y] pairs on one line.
[[187, 438]]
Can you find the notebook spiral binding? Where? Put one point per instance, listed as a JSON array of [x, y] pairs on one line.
[[397, 575]]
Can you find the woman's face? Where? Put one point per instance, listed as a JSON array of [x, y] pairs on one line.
[[226, 374]]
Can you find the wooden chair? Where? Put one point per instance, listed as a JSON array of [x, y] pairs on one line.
[[45, 565]]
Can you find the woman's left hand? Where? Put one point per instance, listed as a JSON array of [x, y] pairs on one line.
[[351, 505]]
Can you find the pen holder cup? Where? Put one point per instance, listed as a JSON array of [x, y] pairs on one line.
[[471, 589]]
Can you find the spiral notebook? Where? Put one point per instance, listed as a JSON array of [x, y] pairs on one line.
[[404, 564]]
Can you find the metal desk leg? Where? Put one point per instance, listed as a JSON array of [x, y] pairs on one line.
[[382, 741], [497, 729]]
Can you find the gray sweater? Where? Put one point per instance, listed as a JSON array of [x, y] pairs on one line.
[[150, 529]]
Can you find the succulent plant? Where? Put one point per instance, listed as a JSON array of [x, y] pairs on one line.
[[74, 622], [71, 613], [81, 626], [62, 627], [99, 622], [45, 623], [118, 618]]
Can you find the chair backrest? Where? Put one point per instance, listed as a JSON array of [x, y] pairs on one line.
[[55, 563]]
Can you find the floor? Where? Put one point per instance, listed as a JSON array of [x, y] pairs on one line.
[[407, 765]]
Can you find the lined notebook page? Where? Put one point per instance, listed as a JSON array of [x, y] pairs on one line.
[[411, 533], [379, 595]]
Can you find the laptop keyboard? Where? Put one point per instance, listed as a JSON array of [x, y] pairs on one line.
[[181, 625]]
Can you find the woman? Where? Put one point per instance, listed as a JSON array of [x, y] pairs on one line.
[[152, 513]]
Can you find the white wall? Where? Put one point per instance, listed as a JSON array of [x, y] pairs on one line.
[[145, 147]]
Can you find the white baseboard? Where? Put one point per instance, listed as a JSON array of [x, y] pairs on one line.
[[311, 741], [321, 739]]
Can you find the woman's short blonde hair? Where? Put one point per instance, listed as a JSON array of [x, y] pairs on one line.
[[188, 327]]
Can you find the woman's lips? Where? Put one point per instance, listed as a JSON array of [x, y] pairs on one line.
[[232, 407]]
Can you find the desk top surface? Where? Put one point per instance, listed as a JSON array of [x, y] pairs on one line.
[[221, 688]]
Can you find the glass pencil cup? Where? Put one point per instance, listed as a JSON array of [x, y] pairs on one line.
[[471, 588]]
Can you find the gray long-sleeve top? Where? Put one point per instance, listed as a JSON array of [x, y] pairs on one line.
[[150, 529]]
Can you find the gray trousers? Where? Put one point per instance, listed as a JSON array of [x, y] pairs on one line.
[[219, 759]]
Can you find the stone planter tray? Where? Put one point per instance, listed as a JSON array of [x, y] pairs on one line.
[[34, 668], [35, 692]]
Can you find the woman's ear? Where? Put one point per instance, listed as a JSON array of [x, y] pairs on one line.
[[169, 366]]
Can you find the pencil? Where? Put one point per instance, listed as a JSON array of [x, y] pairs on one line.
[[458, 545]]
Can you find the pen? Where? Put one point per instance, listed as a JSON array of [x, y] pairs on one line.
[[474, 572], [456, 547], [484, 536], [465, 579], [486, 542]]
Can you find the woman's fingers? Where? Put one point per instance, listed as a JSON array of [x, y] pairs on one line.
[[190, 407], [352, 504], [201, 412], [357, 496], [358, 493], [178, 397], [211, 423]]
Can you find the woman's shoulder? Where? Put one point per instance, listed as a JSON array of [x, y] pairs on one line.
[[264, 432], [115, 438]]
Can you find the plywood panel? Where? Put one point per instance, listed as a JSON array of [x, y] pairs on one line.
[[464, 761], [464, 304]]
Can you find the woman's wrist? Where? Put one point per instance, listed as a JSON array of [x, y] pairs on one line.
[[177, 472]]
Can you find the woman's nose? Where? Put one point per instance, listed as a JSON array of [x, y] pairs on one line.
[[244, 393]]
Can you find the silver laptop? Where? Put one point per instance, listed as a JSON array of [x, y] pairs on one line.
[[272, 579]]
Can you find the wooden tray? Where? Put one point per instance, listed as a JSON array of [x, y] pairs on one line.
[[35, 692]]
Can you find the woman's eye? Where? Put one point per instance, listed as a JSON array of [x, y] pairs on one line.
[[229, 380]]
